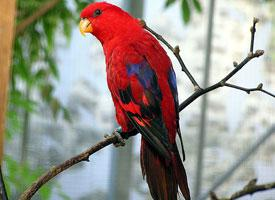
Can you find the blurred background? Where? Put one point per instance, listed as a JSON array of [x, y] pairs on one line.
[[59, 103]]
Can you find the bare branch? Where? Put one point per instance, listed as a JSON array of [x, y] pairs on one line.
[[46, 7], [84, 156], [248, 90], [221, 83], [176, 52], [249, 189], [253, 31], [237, 67]]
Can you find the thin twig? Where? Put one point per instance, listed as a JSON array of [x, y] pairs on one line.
[[46, 7], [253, 31], [249, 189], [237, 67], [221, 83], [198, 90], [248, 90], [176, 52]]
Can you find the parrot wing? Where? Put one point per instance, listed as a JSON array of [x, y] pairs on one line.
[[173, 86], [141, 101]]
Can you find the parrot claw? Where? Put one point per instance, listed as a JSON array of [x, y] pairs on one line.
[[120, 141], [122, 136]]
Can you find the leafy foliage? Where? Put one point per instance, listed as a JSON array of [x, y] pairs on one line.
[[185, 11], [20, 176], [186, 8], [34, 64], [34, 71], [197, 5], [169, 2]]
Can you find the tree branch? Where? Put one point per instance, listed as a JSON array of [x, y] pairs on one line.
[[248, 90], [176, 52], [221, 83], [249, 189], [251, 55], [84, 156], [253, 31], [198, 92], [46, 7]]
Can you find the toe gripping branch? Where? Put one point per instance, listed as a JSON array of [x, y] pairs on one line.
[[121, 136]]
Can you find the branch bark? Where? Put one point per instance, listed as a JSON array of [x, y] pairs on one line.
[[115, 139], [176, 52], [46, 7], [221, 83], [249, 90], [198, 90], [249, 189], [84, 156]]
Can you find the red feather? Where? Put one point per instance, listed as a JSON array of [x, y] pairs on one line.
[[143, 87]]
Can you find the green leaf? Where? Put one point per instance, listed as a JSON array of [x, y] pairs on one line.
[[45, 193], [13, 124], [185, 11], [40, 74], [55, 106], [16, 98], [197, 5], [19, 176], [49, 28], [67, 115], [169, 3], [67, 31], [53, 67], [46, 92]]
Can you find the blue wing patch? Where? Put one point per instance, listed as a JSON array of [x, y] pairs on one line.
[[150, 121], [146, 76], [173, 84]]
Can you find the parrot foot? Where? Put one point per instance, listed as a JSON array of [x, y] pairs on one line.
[[120, 141], [122, 136]]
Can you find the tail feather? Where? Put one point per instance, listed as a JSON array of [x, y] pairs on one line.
[[163, 177], [180, 175]]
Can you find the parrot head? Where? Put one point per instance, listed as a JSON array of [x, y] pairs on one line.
[[107, 21]]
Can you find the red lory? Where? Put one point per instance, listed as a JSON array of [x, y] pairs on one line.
[[143, 86]]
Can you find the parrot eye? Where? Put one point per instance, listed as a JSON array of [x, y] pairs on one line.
[[97, 12]]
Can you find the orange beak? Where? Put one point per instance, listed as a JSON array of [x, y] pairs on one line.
[[85, 26]]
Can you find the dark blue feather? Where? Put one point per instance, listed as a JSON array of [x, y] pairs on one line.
[[173, 84], [146, 76], [151, 110]]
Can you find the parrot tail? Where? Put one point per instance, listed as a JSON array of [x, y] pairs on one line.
[[163, 177]]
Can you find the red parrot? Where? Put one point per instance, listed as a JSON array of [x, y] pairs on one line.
[[143, 86]]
